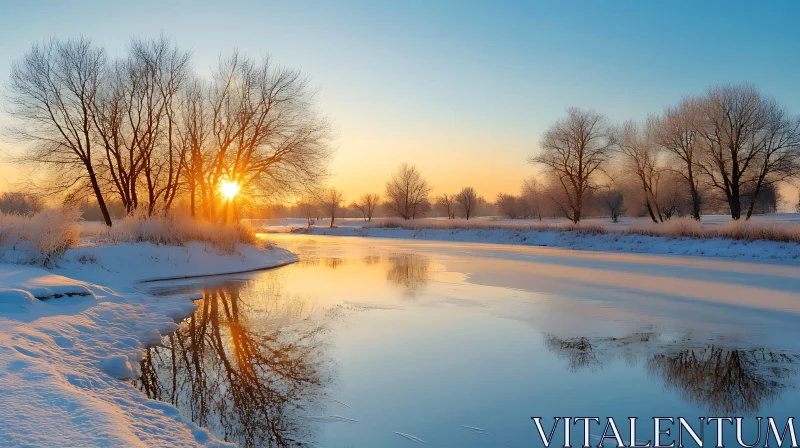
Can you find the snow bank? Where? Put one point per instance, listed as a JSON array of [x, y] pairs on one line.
[[142, 262], [783, 252], [62, 360], [674, 228]]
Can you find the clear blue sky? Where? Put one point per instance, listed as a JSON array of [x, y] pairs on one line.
[[462, 89]]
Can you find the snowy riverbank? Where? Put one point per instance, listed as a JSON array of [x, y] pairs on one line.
[[782, 252], [63, 360]]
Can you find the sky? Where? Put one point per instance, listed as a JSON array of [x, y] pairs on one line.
[[462, 89]]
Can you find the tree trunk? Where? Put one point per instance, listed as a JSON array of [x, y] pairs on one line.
[[695, 197], [100, 201]]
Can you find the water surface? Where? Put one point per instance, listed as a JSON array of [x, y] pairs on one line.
[[371, 343]]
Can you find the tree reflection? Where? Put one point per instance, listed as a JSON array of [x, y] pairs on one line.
[[334, 263], [409, 271], [247, 381], [370, 260], [727, 381], [724, 380]]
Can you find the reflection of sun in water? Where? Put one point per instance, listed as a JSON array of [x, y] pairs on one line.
[[229, 189]]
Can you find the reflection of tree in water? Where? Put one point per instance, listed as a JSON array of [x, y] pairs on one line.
[[309, 261], [410, 271], [725, 381], [371, 259], [333, 263], [728, 381], [247, 386]]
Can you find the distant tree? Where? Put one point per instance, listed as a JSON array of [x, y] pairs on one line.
[[308, 209], [331, 201], [467, 201], [749, 141], [19, 203], [613, 201], [641, 156], [676, 131], [766, 201], [532, 191], [508, 205], [573, 150], [447, 204], [366, 205], [407, 192], [52, 90]]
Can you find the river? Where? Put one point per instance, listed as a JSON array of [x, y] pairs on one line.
[[389, 343]]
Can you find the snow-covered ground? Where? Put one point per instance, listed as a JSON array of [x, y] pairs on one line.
[[70, 336], [780, 219], [613, 241]]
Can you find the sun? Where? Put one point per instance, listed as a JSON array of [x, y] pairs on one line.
[[229, 189]]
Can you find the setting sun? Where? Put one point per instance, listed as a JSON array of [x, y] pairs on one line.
[[229, 189]]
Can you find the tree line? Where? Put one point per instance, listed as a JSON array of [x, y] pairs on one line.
[[733, 143], [730, 147], [146, 131]]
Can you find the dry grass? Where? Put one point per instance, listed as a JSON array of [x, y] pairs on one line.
[[44, 236], [172, 230], [675, 228]]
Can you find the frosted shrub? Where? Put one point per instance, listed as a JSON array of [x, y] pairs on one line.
[[174, 230], [52, 232], [42, 238], [674, 228]]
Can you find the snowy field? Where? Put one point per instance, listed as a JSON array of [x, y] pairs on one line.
[[677, 237], [71, 336], [779, 219]]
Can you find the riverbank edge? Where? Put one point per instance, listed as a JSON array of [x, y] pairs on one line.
[[143, 319], [751, 251]]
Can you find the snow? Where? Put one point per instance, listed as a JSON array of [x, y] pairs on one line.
[[62, 360], [781, 252]]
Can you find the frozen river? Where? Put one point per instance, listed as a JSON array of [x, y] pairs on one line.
[[387, 343]]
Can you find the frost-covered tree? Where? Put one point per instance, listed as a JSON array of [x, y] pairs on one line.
[[573, 150], [367, 204], [407, 192], [467, 200]]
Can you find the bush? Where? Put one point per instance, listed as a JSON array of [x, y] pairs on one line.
[[43, 237], [174, 230]]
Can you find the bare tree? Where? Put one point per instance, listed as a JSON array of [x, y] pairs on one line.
[[331, 201], [366, 205], [447, 204], [509, 205], [676, 131], [193, 135], [532, 191], [748, 142], [573, 150], [780, 152], [136, 116], [52, 91], [20, 203], [613, 201], [407, 192], [309, 210], [467, 200], [641, 154], [265, 134]]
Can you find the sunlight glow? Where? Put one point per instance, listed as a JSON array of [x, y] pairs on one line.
[[229, 189]]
